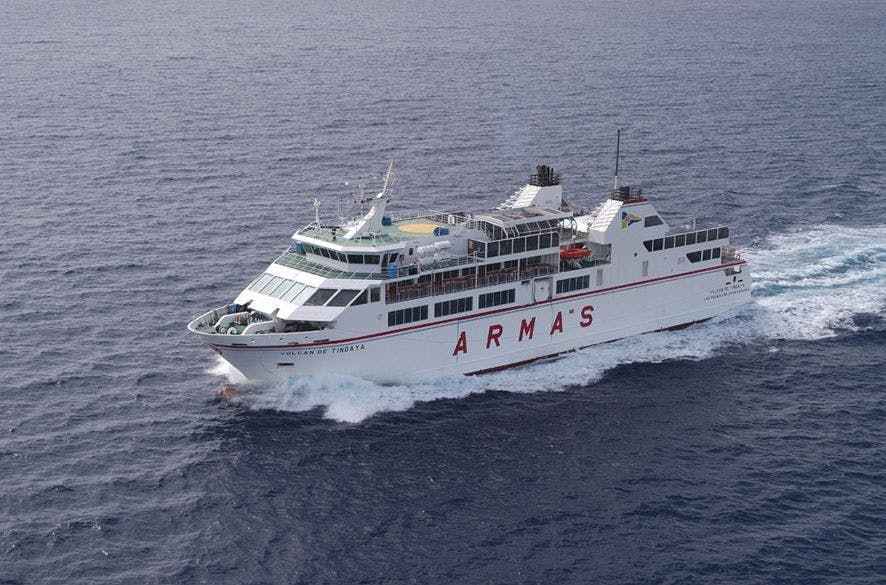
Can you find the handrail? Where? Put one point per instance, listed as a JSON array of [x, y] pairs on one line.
[[421, 290]]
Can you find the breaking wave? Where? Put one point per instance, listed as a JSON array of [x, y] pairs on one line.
[[807, 285]]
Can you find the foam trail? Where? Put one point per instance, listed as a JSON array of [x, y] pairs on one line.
[[807, 285], [222, 368]]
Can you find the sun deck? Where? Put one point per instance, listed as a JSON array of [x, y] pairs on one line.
[[399, 230]]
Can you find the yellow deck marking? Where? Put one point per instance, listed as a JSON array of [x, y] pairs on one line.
[[417, 228]]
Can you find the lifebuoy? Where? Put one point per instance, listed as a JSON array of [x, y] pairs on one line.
[[232, 331]]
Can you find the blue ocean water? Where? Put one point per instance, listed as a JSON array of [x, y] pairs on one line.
[[154, 157]]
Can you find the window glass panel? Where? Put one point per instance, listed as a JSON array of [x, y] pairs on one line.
[[652, 220], [648, 245], [374, 294], [492, 249], [706, 255], [680, 240], [274, 283], [371, 259], [669, 242], [519, 245], [532, 243], [694, 256], [657, 244], [292, 292], [281, 290], [303, 295], [320, 297], [544, 241], [343, 297], [263, 280], [701, 237], [361, 299], [690, 238], [715, 253], [712, 235], [504, 247], [355, 258], [723, 233]]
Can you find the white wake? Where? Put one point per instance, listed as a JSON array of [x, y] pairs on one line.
[[807, 285]]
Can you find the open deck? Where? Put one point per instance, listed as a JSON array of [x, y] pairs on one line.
[[399, 230]]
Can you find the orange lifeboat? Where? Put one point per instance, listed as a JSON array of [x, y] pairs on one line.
[[574, 253]]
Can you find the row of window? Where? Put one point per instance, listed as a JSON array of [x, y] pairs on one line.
[[703, 255], [373, 259], [410, 315], [499, 297], [498, 233], [282, 288], [298, 293], [330, 297], [687, 239], [572, 284], [515, 245], [453, 307]]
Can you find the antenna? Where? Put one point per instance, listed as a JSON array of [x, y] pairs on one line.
[[317, 211], [617, 149]]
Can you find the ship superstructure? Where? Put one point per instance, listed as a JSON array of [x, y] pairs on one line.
[[399, 296]]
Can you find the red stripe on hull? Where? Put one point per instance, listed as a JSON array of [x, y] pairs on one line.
[[478, 315], [553, 355]]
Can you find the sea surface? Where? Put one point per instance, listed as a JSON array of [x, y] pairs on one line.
[[156, 156]]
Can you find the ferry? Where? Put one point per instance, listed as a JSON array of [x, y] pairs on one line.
[[396, 297]]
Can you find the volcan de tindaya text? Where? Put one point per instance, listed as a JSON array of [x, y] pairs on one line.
[[394, 297]]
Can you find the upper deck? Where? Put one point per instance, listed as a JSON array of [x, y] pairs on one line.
[[393, 230]]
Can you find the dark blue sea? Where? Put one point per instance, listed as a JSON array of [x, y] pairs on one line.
[[156, 156]]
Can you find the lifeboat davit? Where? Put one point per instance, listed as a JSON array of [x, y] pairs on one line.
[[574, 253]]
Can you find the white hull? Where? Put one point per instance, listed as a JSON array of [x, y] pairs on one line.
[[489, 340]]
